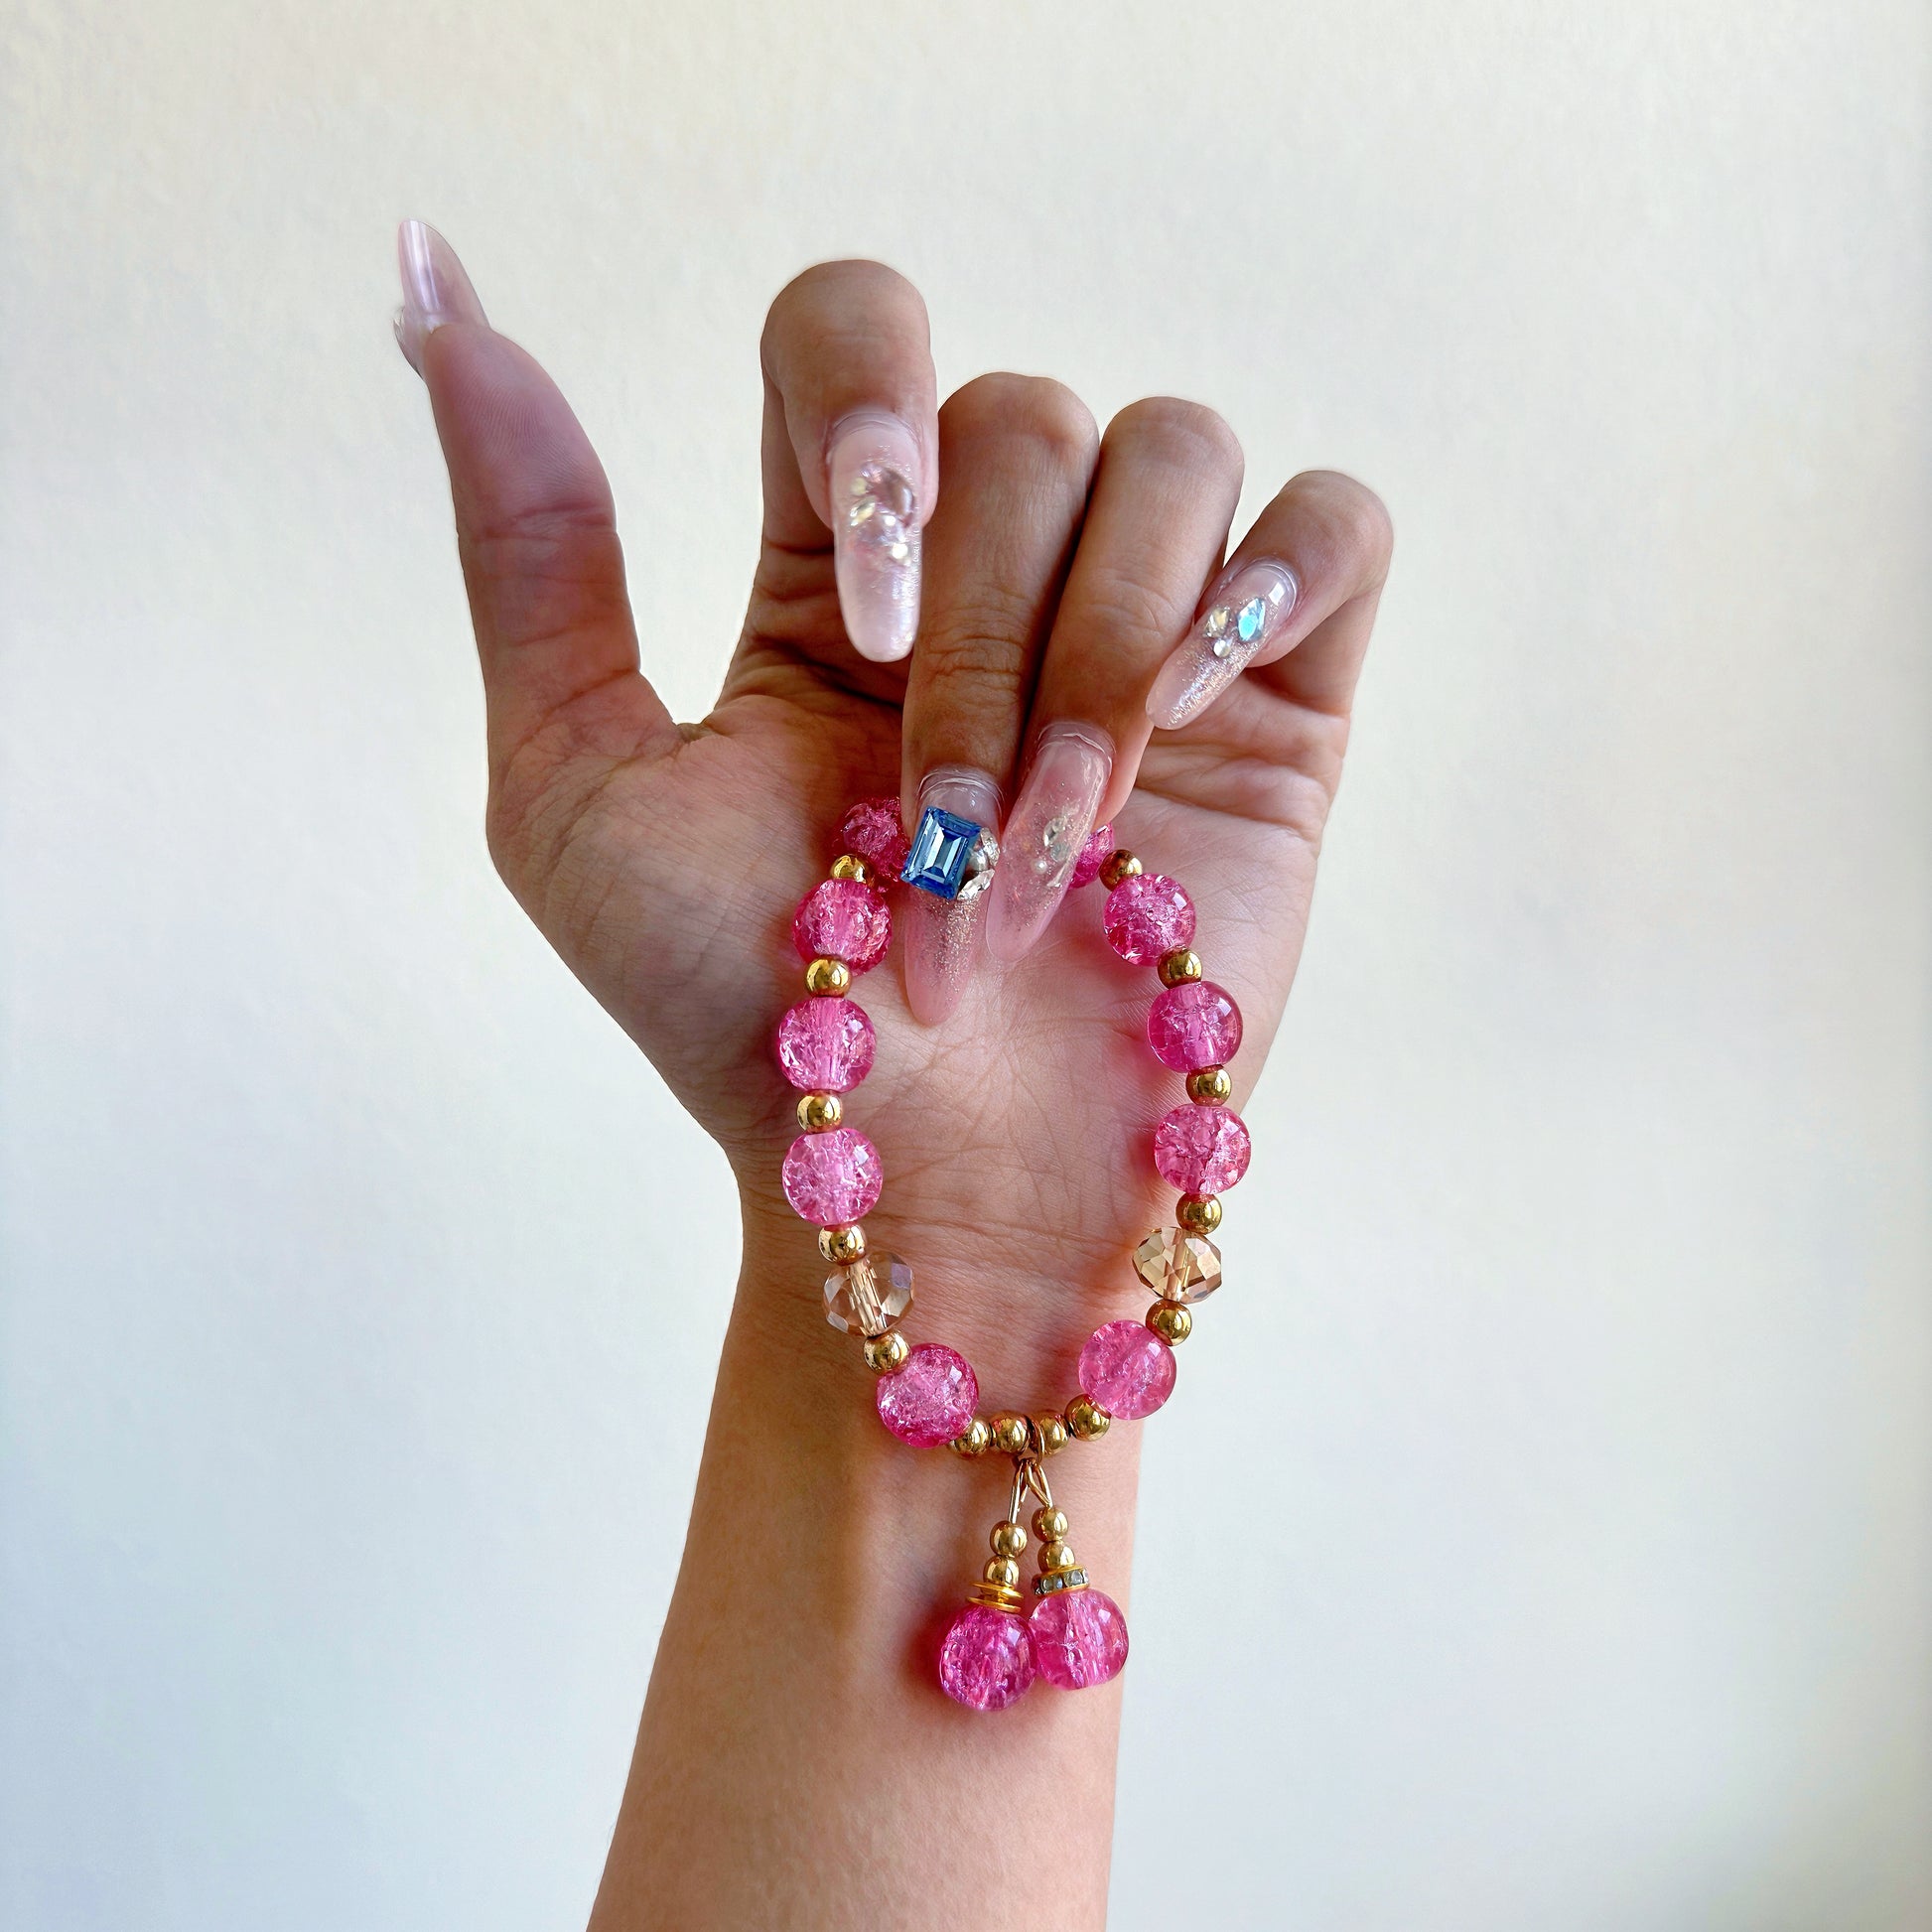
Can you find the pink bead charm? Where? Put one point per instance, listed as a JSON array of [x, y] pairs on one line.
[[1146, 915], [872, 830], [1128, 1369], [843, 920], [986, 1658], [1193, 1024], [826, 1045], [834, 1177], [1080, 1638], [930, 1398], [1201, 1149], [1093, 854]]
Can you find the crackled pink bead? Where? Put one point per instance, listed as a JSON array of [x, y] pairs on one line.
[[873, 831], [1080, 1638], [826, 1045], [843, 920], [1093, 854], [1127, 1368], [1193, 1024], [1201, 1149], [986, 1658], [1146, 915], [928, 1399], [834, 1176]]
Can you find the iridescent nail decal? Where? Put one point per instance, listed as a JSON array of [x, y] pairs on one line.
[[1050, 821], [1246, 612], [872, 478]]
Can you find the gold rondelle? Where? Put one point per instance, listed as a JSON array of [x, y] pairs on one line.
[[1009, 1540], [818, 1111], [1120, 865], [1086, 1419], [1198, 1214], [828, 976], [1049, 1524], [1011, 1435], [887, 1351], [1049, 1435], [1180, 967], [1003, 1573], [1171, 1322], [842, 1243], [974, 1439], [848, 865], [1210, 1085]]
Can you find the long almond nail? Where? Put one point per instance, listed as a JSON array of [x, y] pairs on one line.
[[872, 473], [942, 933], [1050, 821], [1244, 613], [435, 290]]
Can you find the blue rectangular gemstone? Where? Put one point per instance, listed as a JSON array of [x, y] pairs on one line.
[[942, 842]]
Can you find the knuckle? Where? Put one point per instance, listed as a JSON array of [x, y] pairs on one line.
[[1118, 604], [1185, 434], [983, 636], [832, 303], [1035, 408]]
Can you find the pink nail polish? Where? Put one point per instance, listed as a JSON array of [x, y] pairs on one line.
[[1050, 821], [941, 934], [1245, 612], [435, 290], [873, 474]]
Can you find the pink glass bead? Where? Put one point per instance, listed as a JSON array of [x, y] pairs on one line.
[[825, 1045], [872, 830], [1093, 854], [1201, 1149], [986, 1658], [1193, 1024], [843, 920], [1080, 1638], [834, 1176], [1148, 913], [1127, 1368], [930, 1398]]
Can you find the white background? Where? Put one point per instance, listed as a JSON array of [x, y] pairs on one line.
[[1543, 1538]]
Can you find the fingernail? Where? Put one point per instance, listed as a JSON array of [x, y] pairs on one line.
[[942, 934], [873, 472], [435, 290], [1049, 823], [1246, 612]]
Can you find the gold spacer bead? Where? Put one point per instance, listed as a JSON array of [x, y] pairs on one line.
[[887, 1352], [842, 1243], [1057, 1556], [1011, 1435], [828, 976], [1049, 1435], [1171, 1322], [1119, 864], [1211, 1085], [1198, 1214], [1002, 1571], [848, 865], [1180, 967], [1086, 1419], [818, 1111], [997, 1593], [1049, 1524], [1009, 1540], [974, 1439]]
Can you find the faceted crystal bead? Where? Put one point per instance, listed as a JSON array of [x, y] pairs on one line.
[[831, 1178], [826, 1045], [1080, 1638], [943, 847], [1148, 913], [1201, 1149], [929, 1399], [986, 1658], [1177, 1266], [843, 920], [872, 830], [1093, 854], [867, 1296], [1193, 1024], [1128, 1369]]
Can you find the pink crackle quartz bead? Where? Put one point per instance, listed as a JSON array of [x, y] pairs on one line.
[[825, 1045], [872, 830], [834, 1177], [1080, 1638], [1193, 1024], [843, 920], [1127, 1368], [1148, 914], [928, 1399], [986, 1658], [1201, 1149], [1093, 854]]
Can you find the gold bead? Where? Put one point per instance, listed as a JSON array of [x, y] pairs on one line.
[[1179, 967], [974, 1439], [831, 976], [1011, 1435], [848, 865], [1049, 1524], [1003, 1572], [1009, 1540], [842, 1243], [1171, 1322], [818, 1111], [1086, 1419], [1120, 865], [1198, 1214], [1056, 1555], [1209, 1084], [1049, 1435], [887, 1352]]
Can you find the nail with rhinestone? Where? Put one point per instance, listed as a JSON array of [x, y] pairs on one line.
[[1046, 832], [1244, 613], [951, 868], [873, 475]]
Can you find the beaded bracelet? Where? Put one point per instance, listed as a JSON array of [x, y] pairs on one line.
[[1074, 1636]]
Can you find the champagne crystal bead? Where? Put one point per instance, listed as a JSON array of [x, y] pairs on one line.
[[1178, 1266], [867, 1296]]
